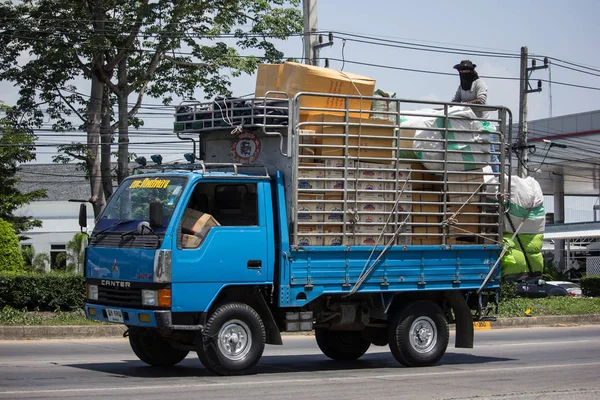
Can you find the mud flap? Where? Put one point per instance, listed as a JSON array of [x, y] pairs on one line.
[[272, 331], [464, 319]]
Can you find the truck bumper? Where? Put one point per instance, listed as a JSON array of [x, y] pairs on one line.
[[130, 316]]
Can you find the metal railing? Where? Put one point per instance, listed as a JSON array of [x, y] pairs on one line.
[[368, 181]]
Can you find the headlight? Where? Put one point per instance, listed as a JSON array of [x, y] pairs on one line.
[[92, 292], [149, 298]]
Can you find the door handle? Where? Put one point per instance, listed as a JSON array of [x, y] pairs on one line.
[[254, 264]]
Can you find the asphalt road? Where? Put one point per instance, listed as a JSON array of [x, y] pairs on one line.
[[532, 363]]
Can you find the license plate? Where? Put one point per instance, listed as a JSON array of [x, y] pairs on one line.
[[114, 315]]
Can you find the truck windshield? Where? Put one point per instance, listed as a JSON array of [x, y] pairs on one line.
[[130, 204]]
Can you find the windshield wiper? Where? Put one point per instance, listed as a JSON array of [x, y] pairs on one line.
[[121, 222], [143, 226]]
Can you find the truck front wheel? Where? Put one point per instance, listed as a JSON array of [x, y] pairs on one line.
[[342, 345], [153, 350], [233, 340], [419, 334]]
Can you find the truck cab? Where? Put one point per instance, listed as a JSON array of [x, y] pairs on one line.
[[127, 258]]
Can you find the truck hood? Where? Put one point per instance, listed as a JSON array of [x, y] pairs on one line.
[[136, 265]]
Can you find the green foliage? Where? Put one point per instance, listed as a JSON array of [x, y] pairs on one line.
[[76, 251], [16, 146], [28, 255], [508, 290], [11, 316], [145, 38], [45, 292], [41, 261], [590, 286], [11, 258], [552, 273], [561, 305]]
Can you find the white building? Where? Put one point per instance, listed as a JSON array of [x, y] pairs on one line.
[[59, 216]]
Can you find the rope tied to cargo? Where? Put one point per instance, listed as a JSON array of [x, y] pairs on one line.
[[452, 221], [504, 250], [365, 272], [227, 119], [359, 135], [364, 276]]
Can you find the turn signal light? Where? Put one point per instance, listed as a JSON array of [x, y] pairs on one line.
[[144, 318], [164, 297]]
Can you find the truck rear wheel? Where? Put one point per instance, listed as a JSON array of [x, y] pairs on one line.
[[419, 334], [153, 350], [233, 340], [342, 345]]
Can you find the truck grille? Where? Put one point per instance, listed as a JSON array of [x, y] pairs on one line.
[[123, 297], [133, 241]]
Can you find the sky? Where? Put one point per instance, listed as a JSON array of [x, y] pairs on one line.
[[566, 31]]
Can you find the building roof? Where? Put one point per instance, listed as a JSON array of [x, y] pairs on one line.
[[593, 233], [61, 181], [577, 162], [572, 231]]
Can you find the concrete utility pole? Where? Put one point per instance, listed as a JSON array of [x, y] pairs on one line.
[[559, 216], [522, 151], [524, 90], [311, 54]]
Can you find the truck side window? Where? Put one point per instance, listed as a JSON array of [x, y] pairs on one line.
[[236, 205], [217, 204], [195, 226], [197, 220]]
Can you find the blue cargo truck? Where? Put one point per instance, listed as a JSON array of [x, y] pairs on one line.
[[287, 217]]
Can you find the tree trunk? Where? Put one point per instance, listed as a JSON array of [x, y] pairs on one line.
[[106, 140], [95, 114], [123, 159], [93, 141]]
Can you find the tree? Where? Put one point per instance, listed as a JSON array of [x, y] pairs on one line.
[[159, 49], [11, 258], [16, 146], [76, 252], [41, 262], [35, 261]]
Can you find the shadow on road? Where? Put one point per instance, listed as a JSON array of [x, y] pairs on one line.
[[275, 364]]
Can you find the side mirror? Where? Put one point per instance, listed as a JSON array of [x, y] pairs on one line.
[[541, 282], [156, 215], [82, 216]]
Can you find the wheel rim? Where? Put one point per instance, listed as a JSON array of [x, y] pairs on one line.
[[235, 340], [423, 334]]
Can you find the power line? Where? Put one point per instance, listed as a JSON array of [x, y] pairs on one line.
[[417, 70], [420, 47], [575, 64]]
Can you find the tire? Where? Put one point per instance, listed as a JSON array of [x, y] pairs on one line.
[[233, 340], [419, 334], [342, 345], [153, 350]]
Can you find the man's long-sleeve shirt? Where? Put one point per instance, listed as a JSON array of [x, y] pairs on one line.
[[478, 91]]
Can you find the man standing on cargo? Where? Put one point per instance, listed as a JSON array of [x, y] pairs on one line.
[[472, 89]]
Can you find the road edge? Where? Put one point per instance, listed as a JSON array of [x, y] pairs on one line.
[[116, 331]]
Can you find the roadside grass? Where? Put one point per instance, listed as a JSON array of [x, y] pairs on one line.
[[515, 307], [12, 317]]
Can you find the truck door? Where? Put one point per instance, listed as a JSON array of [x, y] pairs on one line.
[[234, 252]]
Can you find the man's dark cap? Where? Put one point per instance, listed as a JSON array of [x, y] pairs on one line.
[[465, 64]]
